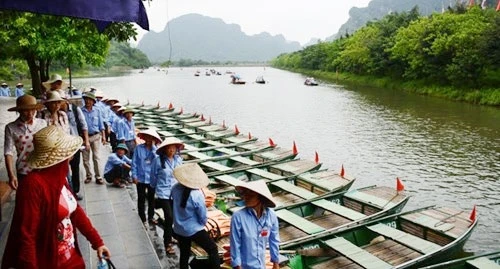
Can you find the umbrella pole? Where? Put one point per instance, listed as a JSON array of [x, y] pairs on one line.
[[70, 82]]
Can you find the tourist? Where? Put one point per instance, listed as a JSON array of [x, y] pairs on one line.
[[19, 138], [142, 161], [162, 180], [53, 115], [4, 90], [47, 216], [55, 83], [190, 214], [117, 168], [116, 119], [19, 90], [254, 228], [95, 127], [126, 131]]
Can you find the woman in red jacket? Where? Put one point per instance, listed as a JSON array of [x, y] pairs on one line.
[[46, 216]]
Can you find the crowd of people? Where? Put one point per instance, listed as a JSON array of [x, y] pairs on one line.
[[42, 157]]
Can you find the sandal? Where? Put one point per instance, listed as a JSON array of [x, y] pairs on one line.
[[87, 181], [99, 181]]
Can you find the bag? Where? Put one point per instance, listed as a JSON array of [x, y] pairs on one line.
[[105, 264]]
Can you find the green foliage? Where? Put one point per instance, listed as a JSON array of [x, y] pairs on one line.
[[121, 54]]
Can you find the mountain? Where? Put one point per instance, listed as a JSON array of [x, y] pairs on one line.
[[199, 37]]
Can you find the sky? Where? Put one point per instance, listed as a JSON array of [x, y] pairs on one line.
[[296, 20]]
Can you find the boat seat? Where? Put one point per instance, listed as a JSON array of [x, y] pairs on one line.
[[214, 143], [289, 187], [196, 137], [299, 222], [327, 183], [369, 199], [483, 263], [216, 166], [431, 223], [199, 155], [229, 180], [409, 240], [338, 209], [227, 151], [356, 254], [265, 174], [244, 160], [187, 131]]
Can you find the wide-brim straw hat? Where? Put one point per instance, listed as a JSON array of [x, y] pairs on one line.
[[129, 110], [99, 94], [191, 175], [54, 96], [4, 84], [111, 99], [26, 102], [171, 141], [89, 95], [19, 84], [121, 109], [51, 146], [54, 78], [259, 187], [151, 133], [117, 105]]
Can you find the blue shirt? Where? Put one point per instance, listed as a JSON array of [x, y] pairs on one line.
[[248, 244], [162, 179], [73, 129], [114, 160], [126, 130], [4, 91], [192, 219], [94, 120], [19, 92], [142, 161]]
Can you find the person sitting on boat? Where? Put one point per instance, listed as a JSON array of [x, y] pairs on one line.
[[118, 166], [254, 227], [190, 214]]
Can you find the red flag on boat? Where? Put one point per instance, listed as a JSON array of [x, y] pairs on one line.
[[142, 103], [316, 157], [158, 104], [342, 172], [271, 143], [195, 114], [472, 216], [236, 131], [249, 135], [210, 120], [498, 6], [224, 124], [182, 111], [295, 151], [202, 118], [399, 185], [170, 106]]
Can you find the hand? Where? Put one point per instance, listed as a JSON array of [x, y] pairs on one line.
[[103, 251], [276, 265], [103, 140], [87, 146], [135, 181], [13, 183]]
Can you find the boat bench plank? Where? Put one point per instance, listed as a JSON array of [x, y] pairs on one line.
[[244, 160], [324, 182], [429, 222], [298, 222], [216, 166], [199, 155], [406, 239], [356, 254], [187, 131], [265, 174], [213, 143], [338, 209], [229, 180], [483, 263], [196, 137], [289, 187], [369, 199]]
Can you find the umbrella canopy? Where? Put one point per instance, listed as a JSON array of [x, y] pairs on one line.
[[103, 12]]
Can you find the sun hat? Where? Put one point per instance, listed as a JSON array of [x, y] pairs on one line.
[[51, 146], [151, 133], [110, 99], [259, 187], [26, 102], [99, 94], [4, 84], [122, 146], [121, 109], [19, 84], [89, 95], [54, 78], [54, 96], [171, 141], [191, 175], [129, 110], [117, 105]]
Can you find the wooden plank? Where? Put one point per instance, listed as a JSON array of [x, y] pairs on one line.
[[285, 185], [369, 199], [244, 160], [264, 174], [483, 262], [199, 155], [229, 180], [338, 209], [356, 254], [299, 222], [216, 166], [406, 239]]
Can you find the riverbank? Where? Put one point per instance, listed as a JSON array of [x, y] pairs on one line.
[[488, 97]]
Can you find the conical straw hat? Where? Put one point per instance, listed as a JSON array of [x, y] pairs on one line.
[[52, 146], [171, 141], [191, 175], [260, 187], [151, 133]]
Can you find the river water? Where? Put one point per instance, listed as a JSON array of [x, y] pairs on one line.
[[446, 153]]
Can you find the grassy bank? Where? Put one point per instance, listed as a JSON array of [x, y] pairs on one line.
[[490, 97]]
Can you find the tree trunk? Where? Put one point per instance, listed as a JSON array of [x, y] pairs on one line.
[[35, 76]]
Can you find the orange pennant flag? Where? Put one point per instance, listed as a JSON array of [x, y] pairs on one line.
[[170, 106], [295, 151], [342, 172], [249, 135], [142, 103], [399, 185], [271, 143], [158, 104], [195, 114], [182, 111], [210, 120], [224, 124], [472, 216], [202, 118], [316, 157], [236, 131]]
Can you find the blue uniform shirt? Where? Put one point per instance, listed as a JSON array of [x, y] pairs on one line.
[[19, 92], [114, 160], [126, 130], [94, 120], [162, 179], [4, 91], [248, 243], [142, 161], [192, 219], [73, 129]]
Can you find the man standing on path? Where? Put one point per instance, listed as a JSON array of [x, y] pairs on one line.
[[19, 138], [19, 90], [126, 131], [95, 126], [4, 90], [55, 83]]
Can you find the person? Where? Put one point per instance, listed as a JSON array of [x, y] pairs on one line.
[[162, 180], [19, 138], [54, 115], [190, 214], [47, 216], [19, 90], [118, 166], [78, 127], [142, 161], [95, 126], [254, 227], [4, 90], [126, 131], [55, 83], [115, 121]]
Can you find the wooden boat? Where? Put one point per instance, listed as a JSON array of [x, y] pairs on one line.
[[489, 260], [310, 82], [260, 80], [403, 240]]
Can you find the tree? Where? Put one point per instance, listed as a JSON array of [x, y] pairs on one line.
[[42, 39]]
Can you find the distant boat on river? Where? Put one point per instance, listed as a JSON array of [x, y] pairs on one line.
[[260, 80], [310, 82]]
